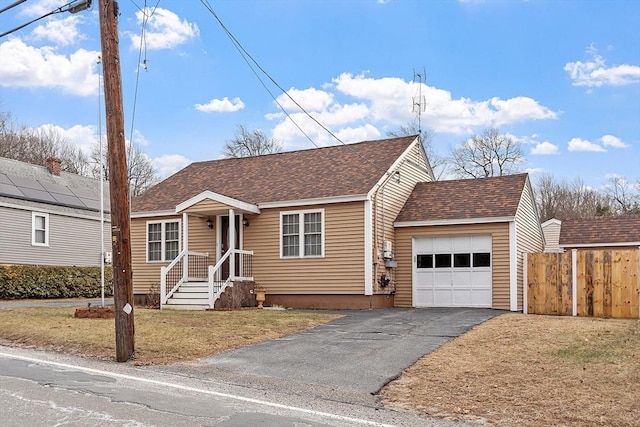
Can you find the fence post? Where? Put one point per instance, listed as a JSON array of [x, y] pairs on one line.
[[525, 283], [574, 282]]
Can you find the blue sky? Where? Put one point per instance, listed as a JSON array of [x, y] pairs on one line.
[[563, 77]]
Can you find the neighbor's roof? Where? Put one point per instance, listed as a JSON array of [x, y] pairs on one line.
[[600, 230], [32, 183], [335, 171], [494, 197]]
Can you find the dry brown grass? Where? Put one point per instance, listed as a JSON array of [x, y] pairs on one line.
[[531, 371], [161, 336]]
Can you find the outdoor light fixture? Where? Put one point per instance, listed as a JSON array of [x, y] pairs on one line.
[[79, 6], [245, 222], [209, 223]]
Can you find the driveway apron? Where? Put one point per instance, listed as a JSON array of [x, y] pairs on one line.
[[355, 355]]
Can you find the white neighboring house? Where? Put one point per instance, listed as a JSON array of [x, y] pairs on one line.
[[50, 217]]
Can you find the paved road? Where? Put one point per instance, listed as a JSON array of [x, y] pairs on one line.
[[42, 389], [347, 360]]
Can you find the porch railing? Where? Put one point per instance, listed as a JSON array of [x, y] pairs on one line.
[[197, 268], [187, 265]]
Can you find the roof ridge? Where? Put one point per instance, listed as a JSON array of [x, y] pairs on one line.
[[311, 149]]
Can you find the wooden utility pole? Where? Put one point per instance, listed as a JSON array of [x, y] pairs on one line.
[[118, 182]]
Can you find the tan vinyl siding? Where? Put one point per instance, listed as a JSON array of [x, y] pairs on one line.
[[529, 236], [207, 206], [390, 199], [340, 271], [147, 274], [551, 233], [499, 258], [72, 240]]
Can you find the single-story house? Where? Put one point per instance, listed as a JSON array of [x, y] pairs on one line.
[[461, 243], [619, 232], [318, 228], [50, 217]]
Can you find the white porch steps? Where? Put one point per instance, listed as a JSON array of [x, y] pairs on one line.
[[189, 296]]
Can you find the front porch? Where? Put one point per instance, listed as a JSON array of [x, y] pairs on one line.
[[191, 282], [196, 280]]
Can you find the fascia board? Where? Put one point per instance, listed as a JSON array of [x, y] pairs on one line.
[[453, 221], [210, 195], [394, 166], [315, 201]]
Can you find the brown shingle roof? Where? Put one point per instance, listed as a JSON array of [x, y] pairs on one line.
[[464, 199], [600, 230], [344, 170]]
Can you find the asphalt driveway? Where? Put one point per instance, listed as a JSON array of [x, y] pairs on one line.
[[349, 359]]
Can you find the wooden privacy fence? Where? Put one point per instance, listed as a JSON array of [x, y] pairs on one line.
[[599, 283]]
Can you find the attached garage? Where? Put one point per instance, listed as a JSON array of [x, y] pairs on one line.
[[460, 243], [452, 271]]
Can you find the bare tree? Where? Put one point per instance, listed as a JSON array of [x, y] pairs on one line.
[[35, 146], [624, 196], [485, 155], [438, 163], [140, 171], [247, 144], [568, 200]]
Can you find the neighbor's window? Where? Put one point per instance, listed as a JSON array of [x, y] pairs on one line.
[[302, 241], [40, 229], [163, 240]]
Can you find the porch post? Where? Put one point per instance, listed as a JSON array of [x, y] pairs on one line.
[[185, 245], [232, 244]]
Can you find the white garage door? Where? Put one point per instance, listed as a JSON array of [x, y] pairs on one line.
[[453, 271]]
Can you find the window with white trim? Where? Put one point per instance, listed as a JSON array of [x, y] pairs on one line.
[[163, 240], [39, 229], [302, 234]]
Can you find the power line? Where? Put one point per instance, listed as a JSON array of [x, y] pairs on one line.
[[247, 56], [72, 7], [143, 43], [244, 54], [11, 6]]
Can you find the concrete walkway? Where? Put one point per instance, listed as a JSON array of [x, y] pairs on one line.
[[349, 359], [70, 302]]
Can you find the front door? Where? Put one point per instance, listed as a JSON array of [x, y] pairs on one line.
[[224, 226]]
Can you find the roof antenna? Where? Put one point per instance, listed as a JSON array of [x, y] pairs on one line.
[[420, 101]]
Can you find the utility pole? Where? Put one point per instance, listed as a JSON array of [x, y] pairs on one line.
[[118, 182]]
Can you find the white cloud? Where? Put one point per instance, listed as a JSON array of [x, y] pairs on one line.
[[579, 144], [310, 99], [360, 105], [78, 136], [169, 164], [391, 99], [595, 72], [43, 67], [544, 147], [612, 141], [164, 29], [221, 105], [40, 7], [62, 32], [532, 171]]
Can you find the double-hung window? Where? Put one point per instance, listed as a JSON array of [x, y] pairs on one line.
[[163, 240], [39, 229], [302, 234]]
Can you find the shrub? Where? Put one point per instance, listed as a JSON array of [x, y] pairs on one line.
[[37, 281]]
